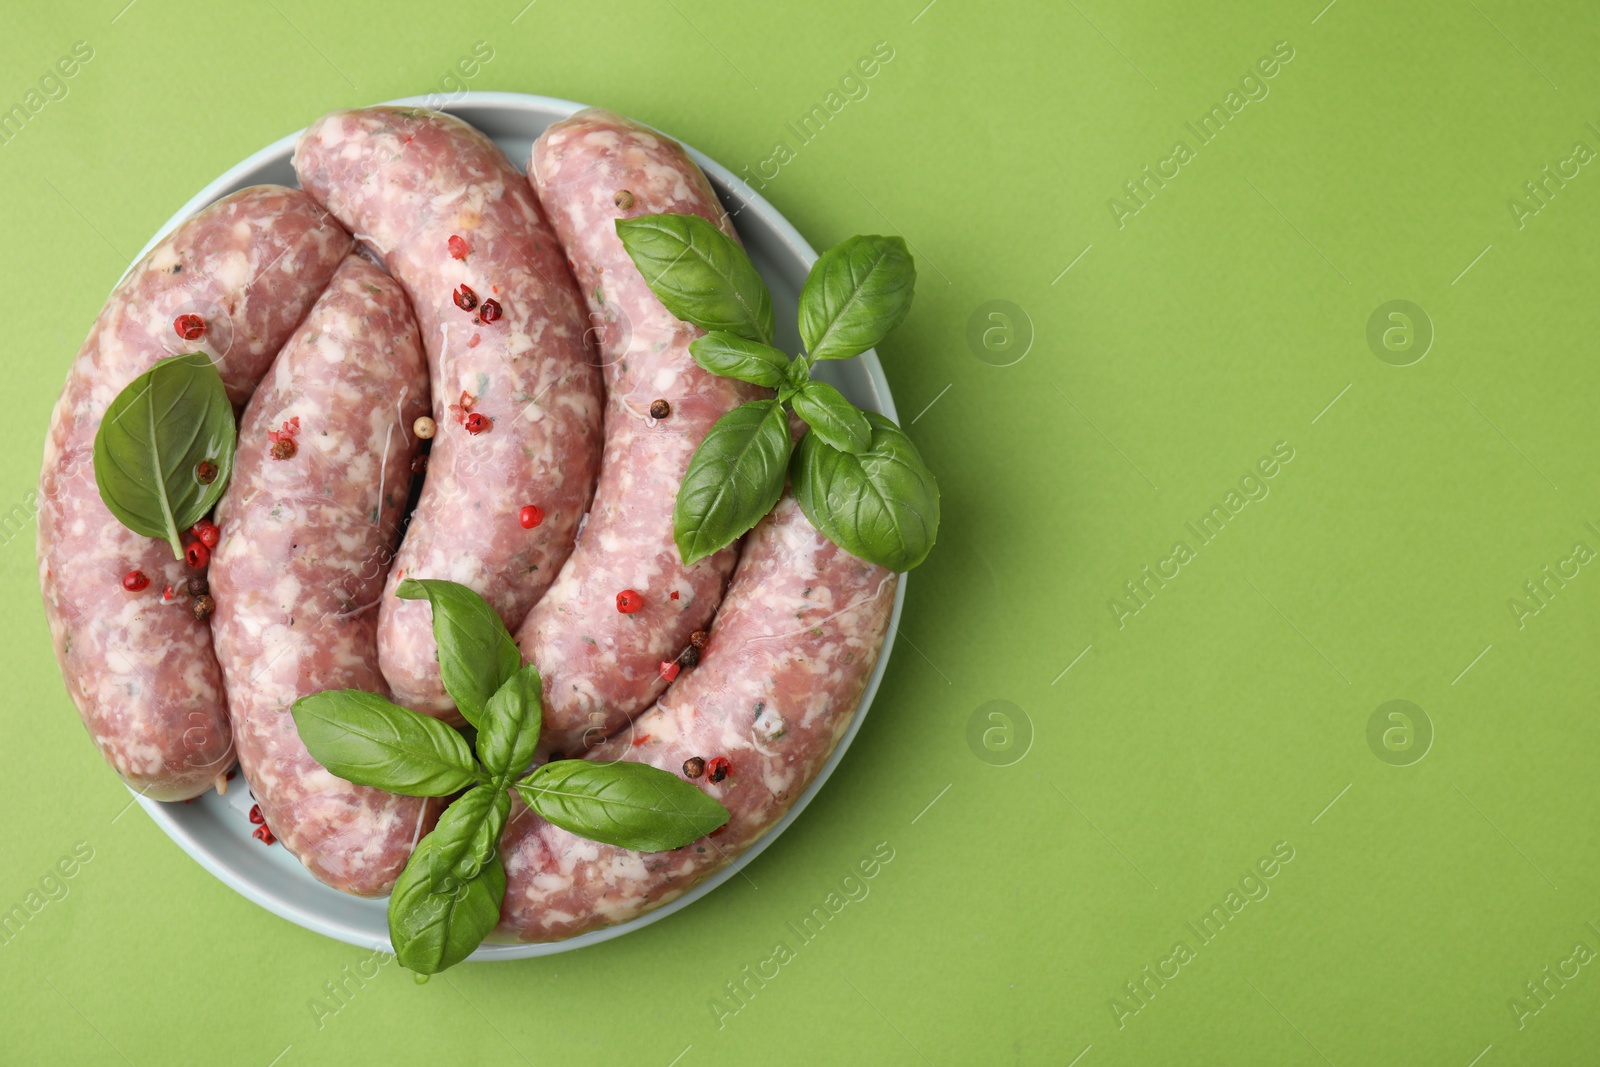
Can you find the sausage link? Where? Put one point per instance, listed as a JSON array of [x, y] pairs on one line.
[[306, 543], [602, 667], [796, 640], [407, 181], [138, 665]]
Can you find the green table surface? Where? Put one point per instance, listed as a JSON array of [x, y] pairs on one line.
[[1181, 329]]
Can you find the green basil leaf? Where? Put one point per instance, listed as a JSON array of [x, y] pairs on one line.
[[466, 837], [832, 417], [365, 739], [476, 652], [854, 295], [881, 505], [799, 374], [153, 439], [734, 357], [700, 274], [629, 805], [511, 722], [735, 478], [433, 930]]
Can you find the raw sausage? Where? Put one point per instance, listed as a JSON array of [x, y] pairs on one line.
[[307, 532], [137, 664], [516, 394], [795, 642], [600, 666]]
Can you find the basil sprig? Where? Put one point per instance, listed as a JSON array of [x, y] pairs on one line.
[[857, 476], [164, 450], [447, 900]]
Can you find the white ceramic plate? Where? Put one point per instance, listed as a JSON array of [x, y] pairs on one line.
[[216, 830]]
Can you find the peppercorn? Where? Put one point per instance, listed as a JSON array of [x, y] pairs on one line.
[[660, 409], [690, 656], [458, 247], [669, 671], [700, 639], [424, 428], [189, 327], [206, 472], [623, 199], [256, 817], [135, 581], [202, 607], [694, 767], [196, 554], [198, 586], [530, 516], [264, 835], [208, 532], [465, 298], [629, 601], [478, 422], [490, 310], [284, 448], [719, 768]]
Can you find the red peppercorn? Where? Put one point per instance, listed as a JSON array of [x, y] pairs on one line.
[[478, 423], [719, 768], [465, 298], [197, 554], [669, 671], [206, 472], [168, 595], [189, 327], [490, 311], [629, 601], [458, 247], [135, 581], [672, 595], [208, 532], [530, 516], [264, 835], [255, 815]]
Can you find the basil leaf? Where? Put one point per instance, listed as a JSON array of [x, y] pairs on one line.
[[832, 417], [153, 439], [734, 357], [365, 739], [735, 478], [431, 930], [466, 837], [476, 652], [799, 374], [699, 274], [629, 805], [856, 293], [511, 722], [881, 505]]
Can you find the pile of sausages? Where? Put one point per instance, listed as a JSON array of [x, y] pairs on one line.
[[495, 319]]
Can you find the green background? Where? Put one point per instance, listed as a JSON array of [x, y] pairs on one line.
[[1186, 741]]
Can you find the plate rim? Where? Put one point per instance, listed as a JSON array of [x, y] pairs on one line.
[[168, 816]]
